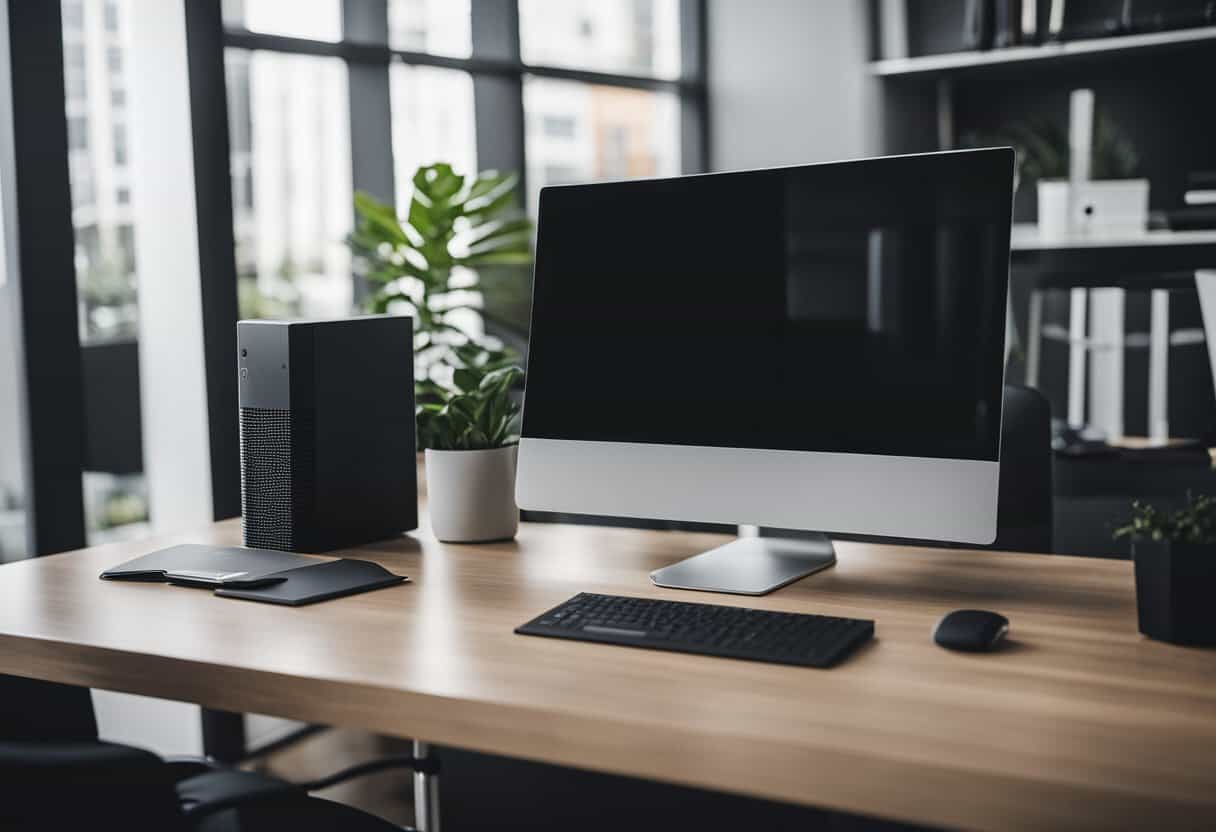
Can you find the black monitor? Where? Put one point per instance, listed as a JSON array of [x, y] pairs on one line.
[[814, 347]]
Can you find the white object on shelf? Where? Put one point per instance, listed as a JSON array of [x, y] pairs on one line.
[[1080, 135], [893, 20], [1094, 208], [1202, 197]]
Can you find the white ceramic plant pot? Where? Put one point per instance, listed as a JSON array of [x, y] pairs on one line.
[[1106, 206], [471, 494]]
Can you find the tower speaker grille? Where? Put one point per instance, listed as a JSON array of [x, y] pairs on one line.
[[276, 477]]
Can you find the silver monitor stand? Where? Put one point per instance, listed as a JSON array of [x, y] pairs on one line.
[[749, 565]]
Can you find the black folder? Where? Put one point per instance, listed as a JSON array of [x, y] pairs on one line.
[[319, 582], [256, 574]]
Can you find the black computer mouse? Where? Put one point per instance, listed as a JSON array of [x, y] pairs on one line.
[[972, 630]]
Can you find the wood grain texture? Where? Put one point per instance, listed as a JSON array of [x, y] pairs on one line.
[[1079, 723]]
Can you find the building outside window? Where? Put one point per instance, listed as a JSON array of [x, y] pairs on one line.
[[291, 167], [103, 223]]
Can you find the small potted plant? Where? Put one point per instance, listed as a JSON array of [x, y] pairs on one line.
[[469, 435], [1175, 562]]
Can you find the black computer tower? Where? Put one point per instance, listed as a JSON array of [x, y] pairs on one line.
[[327, 432]]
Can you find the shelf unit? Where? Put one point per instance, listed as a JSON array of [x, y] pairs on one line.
[[1026, 237], [1157, 84], [1049, 53]]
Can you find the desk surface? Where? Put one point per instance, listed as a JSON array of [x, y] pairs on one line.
[[1079, 723]]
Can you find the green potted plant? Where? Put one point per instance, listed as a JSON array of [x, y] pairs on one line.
[[470, 438], [429, 264], [426, 264], [1175, 563]]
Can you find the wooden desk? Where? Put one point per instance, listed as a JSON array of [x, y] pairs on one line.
[[1079, 723]]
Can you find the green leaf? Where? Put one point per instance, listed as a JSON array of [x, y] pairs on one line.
[[379, 219], [445, 186], [467, 380], [498, 228], [507, 244], [500, 380], [485, 182], [486, 205], [498, 258], [421, 218]]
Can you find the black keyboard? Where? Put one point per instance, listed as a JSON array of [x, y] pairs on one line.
[[709, 629]]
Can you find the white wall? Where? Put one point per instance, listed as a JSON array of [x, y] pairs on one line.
[[788, 83], [176, 437]]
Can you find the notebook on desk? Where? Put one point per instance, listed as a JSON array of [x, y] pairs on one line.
[[263, 575]]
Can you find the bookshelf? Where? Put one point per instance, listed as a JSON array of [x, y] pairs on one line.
[[956, 63]]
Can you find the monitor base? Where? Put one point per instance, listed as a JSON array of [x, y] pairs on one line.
[[748, 565]]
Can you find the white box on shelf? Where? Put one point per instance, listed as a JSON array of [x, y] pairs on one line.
[[1104, 206]]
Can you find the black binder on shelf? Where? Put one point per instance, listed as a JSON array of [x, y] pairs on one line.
[[256, 574]]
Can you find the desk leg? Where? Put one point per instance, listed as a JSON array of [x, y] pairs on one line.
[[223, 735], [426, 792]]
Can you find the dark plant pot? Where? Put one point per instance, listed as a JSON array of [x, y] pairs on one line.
[[1176, 591]]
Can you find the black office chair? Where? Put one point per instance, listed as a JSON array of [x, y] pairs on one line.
[[55, 774], [1024, 514], [1024, 502]]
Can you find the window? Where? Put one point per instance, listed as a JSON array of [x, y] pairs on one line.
[[622, 133], [602, 85], [432, 122], [120, 145], [78, 133], [639, 37], [73, 15], [13, 519], [558, 127], [111, 16], [309, 19], [115, 499], [291, 184], [438, 27], [74, 82]]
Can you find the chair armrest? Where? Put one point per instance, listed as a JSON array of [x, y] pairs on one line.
[[222, 789], [182, 768]]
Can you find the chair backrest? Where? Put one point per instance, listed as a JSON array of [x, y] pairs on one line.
[[55, 774], [85, 785], [31, 709], [1024, 506]]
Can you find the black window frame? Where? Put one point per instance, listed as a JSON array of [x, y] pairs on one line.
[[498, 74]]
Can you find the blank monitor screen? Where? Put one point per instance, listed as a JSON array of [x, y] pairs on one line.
[[854, 307]]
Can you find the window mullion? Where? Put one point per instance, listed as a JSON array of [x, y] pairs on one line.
[[498, 100], [694, 98], [371, 136]]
